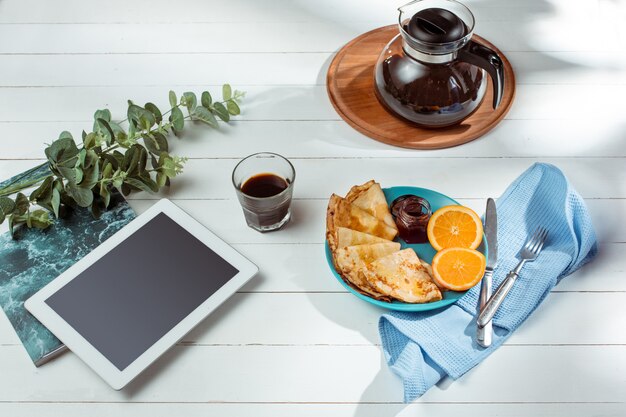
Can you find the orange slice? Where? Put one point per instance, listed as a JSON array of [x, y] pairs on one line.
[[458, 269], [455, 227]]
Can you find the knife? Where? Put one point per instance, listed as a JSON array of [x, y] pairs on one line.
[[484, 334]]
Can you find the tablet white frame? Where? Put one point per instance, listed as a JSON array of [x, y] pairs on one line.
[[89, 354]]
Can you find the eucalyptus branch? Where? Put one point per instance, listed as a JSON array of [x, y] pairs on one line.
[[110, 156]]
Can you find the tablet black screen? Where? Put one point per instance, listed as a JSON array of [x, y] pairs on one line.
[[142, 288]]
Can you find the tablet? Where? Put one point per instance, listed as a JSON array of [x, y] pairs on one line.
[[128, 301]]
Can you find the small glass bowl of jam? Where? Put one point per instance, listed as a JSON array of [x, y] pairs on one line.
[[411, 214]]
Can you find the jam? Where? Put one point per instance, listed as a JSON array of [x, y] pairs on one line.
[[411, 214]]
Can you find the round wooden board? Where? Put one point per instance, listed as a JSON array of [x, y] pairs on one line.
[[350, 84]]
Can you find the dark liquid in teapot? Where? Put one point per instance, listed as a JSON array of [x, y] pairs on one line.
[[439, 94], [431, 94]]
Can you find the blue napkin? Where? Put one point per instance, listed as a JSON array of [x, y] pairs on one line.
[[422, 348]]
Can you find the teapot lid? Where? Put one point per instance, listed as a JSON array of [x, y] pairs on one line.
[[435, 25]]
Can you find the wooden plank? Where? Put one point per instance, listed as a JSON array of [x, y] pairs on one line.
[[531, 67], [308, 220], [456, 177], [520, 374], [157, 70], [189, 11], [335, 139], [308, 216], [276, 36], [342, 319], [76, 409], [560, 103], [244, 319]]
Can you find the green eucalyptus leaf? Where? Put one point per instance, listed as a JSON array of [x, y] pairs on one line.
[[107, 171], [147, 180], [233, 107], [135, 160], [104, 114], [140, 117], [227, 92], [116, 127], [128, 157], [105, 128], [44, 191], [90, 140], [21, 204], [82, 196], [78, 175], [118, 178], [138, 184], [81, 157], [161, 178], [55, 201], [69, 173], [221, 111], [171, 165], [62, 151], [142, 161], [190, 100], [155, 142], [125, 141], [206, 100], [12, 225], [110, 159], [91, 176], [105, 194], [7, 206], [66, 135], [173, 99], [204, 115], [91, 159], [39, 219], [178, 120], [132, 129], [162, 142], [152, 108]]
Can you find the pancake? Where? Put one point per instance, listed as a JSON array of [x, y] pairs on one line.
[[349, 237], [370, 197], [401, 275], [350, 260], [341, 213]]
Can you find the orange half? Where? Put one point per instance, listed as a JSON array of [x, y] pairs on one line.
[[455, 227], [458, 269]]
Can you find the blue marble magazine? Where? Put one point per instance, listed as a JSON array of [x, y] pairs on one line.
[[36, 257]]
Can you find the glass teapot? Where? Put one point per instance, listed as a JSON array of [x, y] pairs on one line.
[[432, 73]]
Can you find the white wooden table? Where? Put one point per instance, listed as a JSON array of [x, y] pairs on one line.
[[293, 342]]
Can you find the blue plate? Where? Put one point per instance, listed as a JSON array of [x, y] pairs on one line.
[[424, 250]]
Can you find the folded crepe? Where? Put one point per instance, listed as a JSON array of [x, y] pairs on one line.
[[341, 213], [402, 276], [349, 237], [350, 260], [370, 197]]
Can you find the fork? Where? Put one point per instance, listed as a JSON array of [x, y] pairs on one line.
[[528, 254]]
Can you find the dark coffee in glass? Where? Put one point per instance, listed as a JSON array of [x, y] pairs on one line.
[[264, 184]]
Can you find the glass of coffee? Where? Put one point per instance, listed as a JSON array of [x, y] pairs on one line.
[[264, 185]]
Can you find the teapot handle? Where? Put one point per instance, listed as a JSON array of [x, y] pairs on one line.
[[487, 59]]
